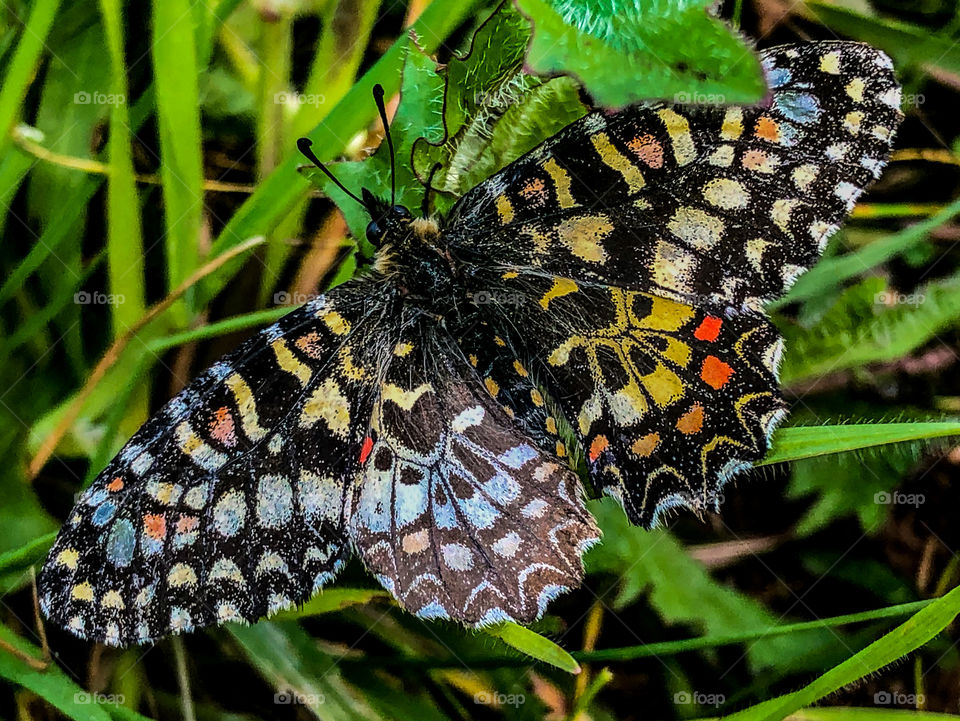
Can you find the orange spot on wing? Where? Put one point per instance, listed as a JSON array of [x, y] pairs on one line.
[[155, 526], [708, 329], [367, 447], [648, 149], [767, 129], [691, 421], [598, 446], [221, 427], [645, 445], [715, 372], [115, 485]]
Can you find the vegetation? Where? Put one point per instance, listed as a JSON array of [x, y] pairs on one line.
[[152, 214]]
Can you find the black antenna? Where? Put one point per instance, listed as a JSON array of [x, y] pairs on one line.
[[378, 98], [425, 205], [304, 146]]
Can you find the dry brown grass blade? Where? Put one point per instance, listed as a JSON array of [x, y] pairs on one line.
[[113, 353]]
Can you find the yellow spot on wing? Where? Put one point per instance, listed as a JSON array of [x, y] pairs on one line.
[[82, 591], [561, 287], [678, 128], [561, 180], [830, 63], [182, 575], [246, 405], [582, 235], [663, 385], [610, 155], [290, 363], [666, 315], [492, 386], [112, 599], [403, 398], [68, 557], [336, 322], [504, 209], [518, 367], [328, 404], [401, 350], [732, 124]]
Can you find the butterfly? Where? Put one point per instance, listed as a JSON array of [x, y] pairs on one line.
[[611, 281]]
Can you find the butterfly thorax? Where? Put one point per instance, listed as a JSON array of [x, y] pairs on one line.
[[414, 258]]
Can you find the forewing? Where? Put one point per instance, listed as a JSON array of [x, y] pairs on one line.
[[458, 514], [709, 205], [228, 504]]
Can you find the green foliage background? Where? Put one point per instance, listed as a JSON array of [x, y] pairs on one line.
[[152, 214]]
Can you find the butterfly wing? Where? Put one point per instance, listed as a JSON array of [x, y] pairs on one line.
[[645, 242], [708, 205], [457, 513], [228, 504]]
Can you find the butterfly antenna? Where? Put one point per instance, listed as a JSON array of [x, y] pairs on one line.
[[304, 146], [425, 206], [378, 98]]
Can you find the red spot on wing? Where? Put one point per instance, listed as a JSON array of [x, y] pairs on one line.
[[715, 372], [598, 446], [155, 526], [115, 485], [708, 329], [365, 451]]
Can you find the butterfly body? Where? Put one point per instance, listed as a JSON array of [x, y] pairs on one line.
[[611, 281]]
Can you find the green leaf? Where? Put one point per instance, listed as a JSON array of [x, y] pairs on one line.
[[493, 111], [51, 684], [288, 657], [533, 644], [681, 590], [625, 51], [333, 599], [923, 626], [284, 187], [419, 115], [791, 444]]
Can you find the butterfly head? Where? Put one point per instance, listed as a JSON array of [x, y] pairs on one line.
[[386, 220]]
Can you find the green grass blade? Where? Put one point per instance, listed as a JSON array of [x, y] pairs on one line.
[[534, 645], [23, 65], [925, 625], [280, 191], [831, 272], [27, 555], [124, 234], [791, 444], [178, 113]]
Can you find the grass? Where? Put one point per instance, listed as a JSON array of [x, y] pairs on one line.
[[151, 211]]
